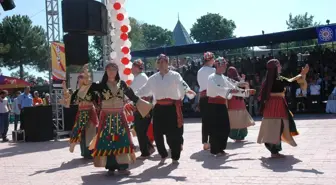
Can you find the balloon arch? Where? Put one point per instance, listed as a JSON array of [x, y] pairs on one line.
[[120, 24]]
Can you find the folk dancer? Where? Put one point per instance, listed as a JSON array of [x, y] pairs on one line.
[[239, 118], [141, 124], [219, 90], [277, 123], [168, 88], [112, 146], [84, 128], [202, 79]]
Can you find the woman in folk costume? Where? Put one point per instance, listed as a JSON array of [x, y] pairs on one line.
[[277, 123], [240, 119], [113, 147], [86, 121]]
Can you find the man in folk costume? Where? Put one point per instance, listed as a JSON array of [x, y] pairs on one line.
[[202, 79], [219, 90], [141, 124], [277, 123], [168, 89], [240, 119]]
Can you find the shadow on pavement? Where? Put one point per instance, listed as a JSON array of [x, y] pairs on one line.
[[155, 172], [25, 148], [74, 163], [236, 145], [285, 165], [212, 162]]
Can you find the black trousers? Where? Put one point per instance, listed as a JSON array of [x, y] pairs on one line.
[[205, 119], [141, 127], [165, 123], [219, 127], [21, 119], [275, 148], [16, 120]]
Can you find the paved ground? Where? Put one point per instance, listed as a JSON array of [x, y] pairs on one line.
[[312, 162]]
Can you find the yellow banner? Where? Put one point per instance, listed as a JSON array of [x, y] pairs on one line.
[[58, 62]]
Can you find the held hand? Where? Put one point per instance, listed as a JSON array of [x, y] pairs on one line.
[[305, 70], [191, 92], [252, 91], [234, 91]]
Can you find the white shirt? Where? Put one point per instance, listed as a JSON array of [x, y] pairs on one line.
[[300, 93], [203, 75], [139, 81], [171, 86], [315, 89], [4, 105], [220, 85]]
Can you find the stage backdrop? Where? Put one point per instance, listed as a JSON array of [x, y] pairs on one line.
[[58, 64]]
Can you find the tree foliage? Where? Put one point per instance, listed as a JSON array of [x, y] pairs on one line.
[[300, 21], [28, 44], [136, 35], [212, 27], [156, 36]]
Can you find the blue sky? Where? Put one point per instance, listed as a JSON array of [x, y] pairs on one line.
[[250, 16]]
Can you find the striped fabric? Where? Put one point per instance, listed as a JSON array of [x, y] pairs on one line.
[[275, 107]]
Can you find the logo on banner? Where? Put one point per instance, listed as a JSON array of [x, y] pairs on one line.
[[326, 34]]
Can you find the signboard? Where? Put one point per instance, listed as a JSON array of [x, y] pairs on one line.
[[326, 34], [58, 66]]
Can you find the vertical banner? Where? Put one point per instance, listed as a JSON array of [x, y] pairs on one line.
[[326, 34], [58, 66]]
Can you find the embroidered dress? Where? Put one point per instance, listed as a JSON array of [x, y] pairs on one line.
[[86, 120]]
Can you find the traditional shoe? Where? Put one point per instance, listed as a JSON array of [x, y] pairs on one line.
[[162, 162], [175, 162], [124, 172], [277, 156], [206, 146], [72, 147]]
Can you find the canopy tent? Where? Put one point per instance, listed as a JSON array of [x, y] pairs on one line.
[[7, 82], [233, 43]]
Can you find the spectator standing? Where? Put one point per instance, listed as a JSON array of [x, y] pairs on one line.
[[37, 101], [16, 110], [25, 100], [46, 99], [4, 115]]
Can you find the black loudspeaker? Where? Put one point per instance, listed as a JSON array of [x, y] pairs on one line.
[[8, 5], [76, 49], [84, 16]]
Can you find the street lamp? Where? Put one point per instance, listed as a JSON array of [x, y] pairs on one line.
[[328, 21]]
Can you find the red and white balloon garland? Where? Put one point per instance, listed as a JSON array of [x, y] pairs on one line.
[[119, 36]]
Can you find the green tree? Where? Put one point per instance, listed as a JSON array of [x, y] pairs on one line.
[[26, 75], [212, 27], [136, 35], [95, 53], [28, 45], [155, 36], [300, 21]]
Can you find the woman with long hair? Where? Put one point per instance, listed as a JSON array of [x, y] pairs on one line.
[[239, 118], [277, 123], [113, 147], [86, 120]]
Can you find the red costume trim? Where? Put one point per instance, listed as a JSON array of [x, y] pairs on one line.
[[275, 107], [236, 103], [217, 100]]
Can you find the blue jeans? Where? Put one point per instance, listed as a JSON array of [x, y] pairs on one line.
[[4, 124]]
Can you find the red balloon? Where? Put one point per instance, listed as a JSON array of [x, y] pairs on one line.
[[125, 50], [120, 16], [117, 6], [129, 82], [124, 28], [127, 71], [123, 36], [125, 60], [130, 118]]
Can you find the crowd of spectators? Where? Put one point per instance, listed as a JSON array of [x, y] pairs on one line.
[[321, 79]]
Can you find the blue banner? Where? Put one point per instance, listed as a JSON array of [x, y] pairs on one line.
[[326, 34]]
